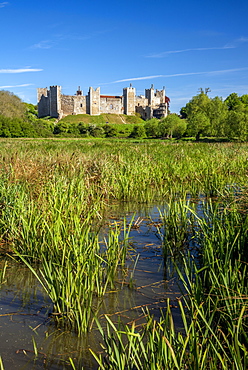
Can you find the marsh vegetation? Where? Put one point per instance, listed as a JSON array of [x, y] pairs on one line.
[[57, 198]]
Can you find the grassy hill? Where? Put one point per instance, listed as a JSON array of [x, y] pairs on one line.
[[102, 119], [119, 125]]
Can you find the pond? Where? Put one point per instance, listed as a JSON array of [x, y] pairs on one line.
[[29, 338]]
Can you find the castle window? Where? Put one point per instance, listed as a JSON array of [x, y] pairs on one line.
[[111, 106], [81, 105]]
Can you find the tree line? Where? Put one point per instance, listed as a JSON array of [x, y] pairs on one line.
[[217, 117], [202, 116]]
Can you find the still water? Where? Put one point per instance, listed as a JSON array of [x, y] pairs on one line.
[[29, 338]]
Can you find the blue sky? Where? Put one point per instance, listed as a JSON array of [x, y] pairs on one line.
[[182, 45]]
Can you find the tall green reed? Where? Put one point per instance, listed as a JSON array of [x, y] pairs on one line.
[[214, 306], [78, 272], [159, 345], [53, 194]]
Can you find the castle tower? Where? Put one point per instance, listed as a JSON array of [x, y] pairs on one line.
[[55, 101], [93, 101], [161, 95], [129, 100], [149, 94], [43, 102]]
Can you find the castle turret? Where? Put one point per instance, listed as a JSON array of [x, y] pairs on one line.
[[149, 94], [160, 94], [55, 101], [129, 100], [43, 102], [93, 101]]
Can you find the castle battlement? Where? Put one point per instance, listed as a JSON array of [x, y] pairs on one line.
[[51, 102]]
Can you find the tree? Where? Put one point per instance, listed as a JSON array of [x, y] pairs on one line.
[[199, 103], [198, 124], [237, 125], [11, 106], [244, 100], [183, 112], [180, 128], [233, 102], [217, 113], [196, 111], [152, 127], [170, 125]]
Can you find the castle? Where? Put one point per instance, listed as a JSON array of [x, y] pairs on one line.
[[51, 102]]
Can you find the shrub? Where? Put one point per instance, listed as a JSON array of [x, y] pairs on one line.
[[138, 131], [110, 131]]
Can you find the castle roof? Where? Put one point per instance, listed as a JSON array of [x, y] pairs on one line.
[[110, 96]]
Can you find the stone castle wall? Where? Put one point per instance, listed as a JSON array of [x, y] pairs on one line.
[[52, 103], [80, 105], [111, 104]]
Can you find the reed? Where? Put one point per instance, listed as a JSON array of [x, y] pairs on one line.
[[215, 297], [1, 364], [121, 170], [3, 272], [160, 346], [53, 196], [76, 272]]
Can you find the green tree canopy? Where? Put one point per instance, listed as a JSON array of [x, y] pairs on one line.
[[170, 125], [11, 106], [237, 125], [234, 102], [217, 113], [198, 124], [152, 127], [199, 103]]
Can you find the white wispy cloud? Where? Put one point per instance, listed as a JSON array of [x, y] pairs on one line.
[[231, 45], [2, 5], [13, 86], [180, 75], [137, 78], [237, 42], [57, 39], [20, 70], [163, 54], [45, 44]]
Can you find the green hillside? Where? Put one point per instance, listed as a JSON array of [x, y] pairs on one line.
[[102, 119]]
